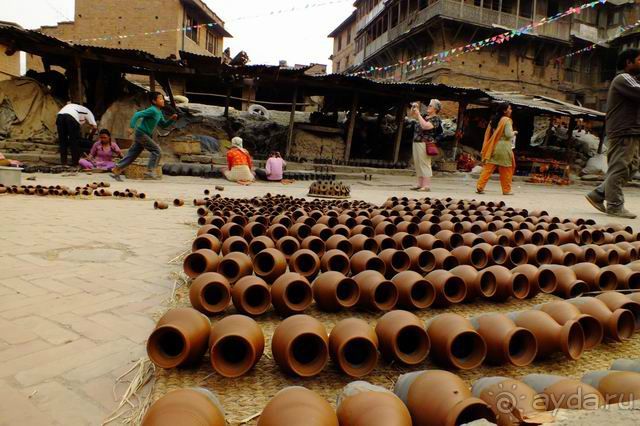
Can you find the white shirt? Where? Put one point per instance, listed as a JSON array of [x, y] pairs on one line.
[[80, 113]]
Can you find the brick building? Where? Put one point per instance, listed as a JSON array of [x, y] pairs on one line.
[[343, 44], [389, 31], [9, 60]]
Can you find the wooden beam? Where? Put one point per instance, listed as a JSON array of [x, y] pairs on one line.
[[79, 85], [352, 125], [227, 102], [400, 115], [152, 82], [292, 119]]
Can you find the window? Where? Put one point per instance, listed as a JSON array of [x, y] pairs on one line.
[[526, 8], [192, 29], [614, 18], [503, 55], [349, 36], [211, 41], [339, 42]]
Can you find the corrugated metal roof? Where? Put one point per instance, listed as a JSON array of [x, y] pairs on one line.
[[545, 104]]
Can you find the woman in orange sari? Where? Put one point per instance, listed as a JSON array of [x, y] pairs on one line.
[[239, 163], [497, 150]]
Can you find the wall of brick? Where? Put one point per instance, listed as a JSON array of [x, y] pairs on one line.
[[346, 53], [9, 64]]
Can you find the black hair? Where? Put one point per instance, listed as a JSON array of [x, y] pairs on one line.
[[275, 154], [153, 96], [104, 132], [501, 109], [625, 57]]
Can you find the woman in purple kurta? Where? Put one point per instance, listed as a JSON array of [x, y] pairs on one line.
[[102, 153]]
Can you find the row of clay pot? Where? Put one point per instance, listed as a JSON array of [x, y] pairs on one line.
[[98, 191]]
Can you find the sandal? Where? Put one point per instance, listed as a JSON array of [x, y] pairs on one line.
[[479, 191], [424, 189], [415, 188]]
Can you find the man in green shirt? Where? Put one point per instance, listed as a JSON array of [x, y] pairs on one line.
[[144, 123]]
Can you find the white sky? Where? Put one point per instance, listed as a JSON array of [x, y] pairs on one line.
[[299, 37]]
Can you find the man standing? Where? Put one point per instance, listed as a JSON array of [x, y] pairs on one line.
[[623, 135], [68, 122]]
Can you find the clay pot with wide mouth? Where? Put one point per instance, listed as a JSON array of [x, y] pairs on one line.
[[269, 264], [366, 260], [522, 403], [353, 346], [583, 254], [497, 255], [186, 406], [498, 284], [329, 221], [559, 237], [363, 404], [333, 291], [251, 296], [314, 244], [469, 276], [277, 231], [362, 242], [403, 338], [291, 294], [253, 229], [376, 292], [395, 261], [533, 276], [616, 386], [422, 261], [473, 256], [450, 239], [210, 293], [297, 406], [444, 259], [455, 343], [231, 229], [235, 245], [470, 239], [563, 312], [259, 244], [339, 242], [179, 339], [341, 230], [506, 342], [384, 242], [236, 345], [206, 241], [335, 260], [440, 398], [282, 220], [494, 239], [568, 284], [619, 325], [288, 246], [348, 221], [624, 255], [550, 254], [563, 393], [234, 266], [428, 242], [522, 237], [551, 336], [449, 288], [404, 240], [595, 277], [200, 261], [615, 301], [626, 278], [385, 228], [305, 263], [211, 230], [414, 292], [604, 257], [300, 346]]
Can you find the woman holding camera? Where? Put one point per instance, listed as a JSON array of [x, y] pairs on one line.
[[426, 131]]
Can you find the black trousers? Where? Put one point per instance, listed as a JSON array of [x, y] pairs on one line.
[[69, 138]]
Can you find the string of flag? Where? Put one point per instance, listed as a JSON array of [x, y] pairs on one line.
[[190, 28], [448, 55]]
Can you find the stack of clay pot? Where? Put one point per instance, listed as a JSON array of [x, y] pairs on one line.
[[96, 189]]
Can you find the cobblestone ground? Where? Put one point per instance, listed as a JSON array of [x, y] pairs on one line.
[[81, 280]]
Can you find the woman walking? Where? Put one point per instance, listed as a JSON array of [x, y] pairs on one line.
[[497, 150], [427, 129]]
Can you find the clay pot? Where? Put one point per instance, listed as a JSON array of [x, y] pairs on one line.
[[186, 406], [253, 230], [236, 345], [306, 263], [234, 266], [615, 301], [158, 205], [367, 231], [333, 291], [583, 254], [199, 262], [498, 284], [449, 288], [414, 292], [277, 231], [444, 259], [231, 229], [626, 277], [335, 260], [455, 343], [471, 256], [300, 346], [428, 242], [618, 325], [366, 260], [532, 253], [384, 242], [497, 255], [291, 294], [297, 406], [450, 239], [616, 386], [339, 242], [235, 245], [469, 276], [210, 293], [353, 346], [288, 246], [341, 230], [551, 337], [596, 278], [347, 220], [363, 404], [362, 242], [563, 312], [376, 292], [206, 241], [211, 230], [403, 338], [562, 393], [568, 285], [269, 264], [179, 339], [624, 256], [404, 240], [533, 275], [506, 342], [314, 244], [259, 244], [422, 261], [557, 256], [329, 221], [604, 257], [440, 398], [522, 403], [251, 296], [385, 228], [558, 237], [626, 365], [395, 261]]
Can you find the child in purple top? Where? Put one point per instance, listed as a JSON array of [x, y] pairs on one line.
[[102, 153], [274, 169]]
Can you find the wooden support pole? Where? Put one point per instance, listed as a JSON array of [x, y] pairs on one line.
[[400, 115], [227, 102], [352, 126], [79, 85], [152, 82], [292, 120]]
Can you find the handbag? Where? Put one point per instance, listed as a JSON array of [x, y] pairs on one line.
[[432, 149]]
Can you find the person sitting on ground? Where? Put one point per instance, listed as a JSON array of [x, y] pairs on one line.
[[239, 163], [4, 162], [274, 168], [102, 153]]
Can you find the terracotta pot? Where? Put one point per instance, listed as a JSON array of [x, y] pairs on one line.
[[450, 239], [234, 266], [367, 231], [333, 291], [551, 336], [422, 261], [557, 256], [158, 205], [455, 343], [618, 325], [558, 237], [615, 301], [471, 256], [498, 284], [288, 246], [404, 240], [231, 229], [497, 255], [306, 263], [353, 346], [253, 230], [376, 292], [236, 345], [384, 242], [297, 406], [363, 242], [444, 259], [341, 230], [300, 346], [282, 220], [329, 221], [395, 261], [206, 241], [314, 244], [568, 285], [291, 294], [199, 262], [562, 393], [449, 288], [414, 292], [563, 312], [186, 406], [596, 278], [440, 398], [403, 338], [583, 254], [179, 339], [211, 230], [522, 237], [235, 245], [616, 386], [269, 264], [624, 256], [469, 276], [340, 242], [626, 278], [335, 260], [259, 244], [251, 296], [210, 293], [366, 260], [385, 228], [428, 242], [277, 231], [363, 404], [347, 220], [626, 365], [533, 275], [506, 342], [521, 403], [605, 257]]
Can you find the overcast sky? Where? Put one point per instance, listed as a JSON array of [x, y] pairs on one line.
[[299, 37]]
